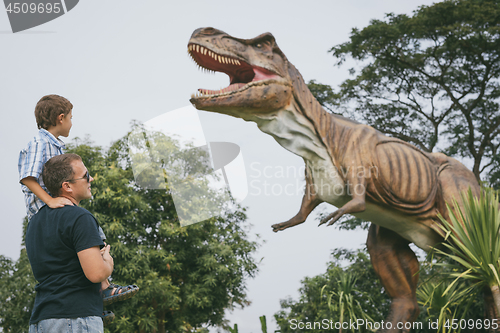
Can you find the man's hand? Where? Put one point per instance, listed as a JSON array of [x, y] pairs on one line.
[[59, 202]]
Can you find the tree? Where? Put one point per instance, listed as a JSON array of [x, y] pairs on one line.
[[313, 305], [17, 292], [188, 276], [431, 79], [344, 299], [444, 302], [473, 242]]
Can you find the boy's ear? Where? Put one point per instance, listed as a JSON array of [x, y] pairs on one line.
[[60, 117]]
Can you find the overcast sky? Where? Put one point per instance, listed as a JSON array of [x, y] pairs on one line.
[[127, 60]]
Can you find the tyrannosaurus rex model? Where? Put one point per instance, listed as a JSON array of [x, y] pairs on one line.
[[349, 165]]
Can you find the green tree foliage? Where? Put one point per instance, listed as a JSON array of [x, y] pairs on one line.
[[263, 324], [344, 299], [473, 241], [444, 302], [313, 305], [188, 276], [429, 79], [17, 294], [17, 291]]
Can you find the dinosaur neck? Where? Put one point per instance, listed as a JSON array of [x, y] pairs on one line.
[[294, 132], [331, 129], [304, 127]]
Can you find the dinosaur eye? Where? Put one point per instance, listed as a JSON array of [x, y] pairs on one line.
[[258, 45]]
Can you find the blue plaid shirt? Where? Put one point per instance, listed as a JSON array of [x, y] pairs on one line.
[[42, 148]]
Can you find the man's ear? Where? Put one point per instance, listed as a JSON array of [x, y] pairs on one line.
[[66, 188], [60, 117]]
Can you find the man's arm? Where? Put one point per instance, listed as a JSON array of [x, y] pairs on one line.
[[34, 187], [97, 266]]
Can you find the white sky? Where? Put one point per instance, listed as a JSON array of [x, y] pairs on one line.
[[119, 61]]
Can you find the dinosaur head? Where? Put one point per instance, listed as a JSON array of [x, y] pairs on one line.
[[257, 70]]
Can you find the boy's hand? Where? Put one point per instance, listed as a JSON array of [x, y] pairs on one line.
[[106, 257], [103, 249], [59, 202]]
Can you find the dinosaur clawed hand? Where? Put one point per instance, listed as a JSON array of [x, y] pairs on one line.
[[333, 217]]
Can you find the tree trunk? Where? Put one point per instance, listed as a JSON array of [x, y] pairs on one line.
[[490, 308], [476, 169], [495, 291], [161, 321]]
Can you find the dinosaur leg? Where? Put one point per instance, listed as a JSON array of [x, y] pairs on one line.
[[309, 202], [355, 205], [397, 267]]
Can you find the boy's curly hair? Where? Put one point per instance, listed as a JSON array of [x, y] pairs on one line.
[[49, 108]]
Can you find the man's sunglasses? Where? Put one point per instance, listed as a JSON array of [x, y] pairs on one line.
[[86, 176]]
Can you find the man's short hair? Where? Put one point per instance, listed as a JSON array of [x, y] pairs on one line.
[[57, 170], [49, 108]]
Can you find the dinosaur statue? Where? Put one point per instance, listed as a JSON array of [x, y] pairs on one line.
[[389, 182]]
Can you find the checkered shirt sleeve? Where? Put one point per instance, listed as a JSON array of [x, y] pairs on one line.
[[43, 147]]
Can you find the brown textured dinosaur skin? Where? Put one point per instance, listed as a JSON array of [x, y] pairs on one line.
[[389, 182]]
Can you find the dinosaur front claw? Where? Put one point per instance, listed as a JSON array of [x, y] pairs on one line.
[[278, 227], [333, 217]]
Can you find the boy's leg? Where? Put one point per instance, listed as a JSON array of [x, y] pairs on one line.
[[112, 292], [115, 293]]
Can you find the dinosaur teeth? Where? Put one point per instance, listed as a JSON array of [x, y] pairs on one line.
[[218, 58]]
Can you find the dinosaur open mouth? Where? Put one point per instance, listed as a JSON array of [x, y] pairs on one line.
[[240, 73]]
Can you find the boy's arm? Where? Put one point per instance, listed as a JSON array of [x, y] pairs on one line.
[[34, 187], [97, 267]]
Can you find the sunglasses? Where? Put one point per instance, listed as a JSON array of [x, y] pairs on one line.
[[86, 176]]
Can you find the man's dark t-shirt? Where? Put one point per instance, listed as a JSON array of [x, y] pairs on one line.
[[53, 239]]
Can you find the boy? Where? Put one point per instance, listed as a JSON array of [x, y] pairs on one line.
[[53, 115]]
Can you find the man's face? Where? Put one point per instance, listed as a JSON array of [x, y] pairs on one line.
[[79, 183]]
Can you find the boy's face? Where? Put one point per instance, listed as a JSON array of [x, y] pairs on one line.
[[66, 124]]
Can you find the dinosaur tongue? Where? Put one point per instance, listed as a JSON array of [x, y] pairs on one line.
[[259, 75]]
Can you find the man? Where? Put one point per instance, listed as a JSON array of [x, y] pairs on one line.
[[63, 246]]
